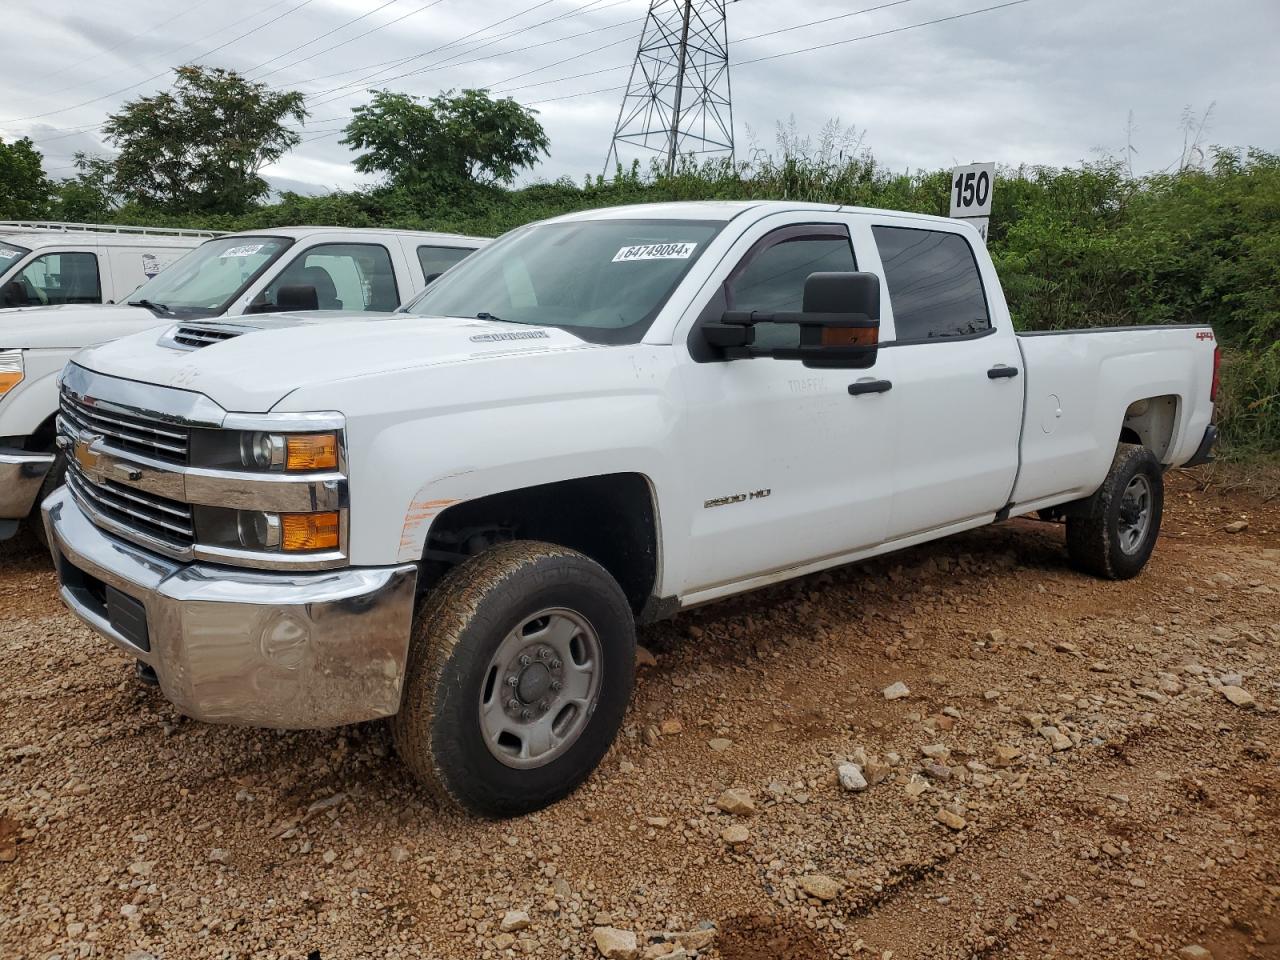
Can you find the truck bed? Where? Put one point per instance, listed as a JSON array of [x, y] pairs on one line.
[[1080, 390]]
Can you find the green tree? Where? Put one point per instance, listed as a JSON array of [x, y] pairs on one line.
[[90, 196], [450, 140], [24, 189], [198, 147]]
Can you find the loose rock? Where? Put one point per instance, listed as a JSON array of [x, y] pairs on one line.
[[615, 944], [820, 886], [896, 691], [737, 802]]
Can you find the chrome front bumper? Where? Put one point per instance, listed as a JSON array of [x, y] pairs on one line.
[[266, 649], [21, 474]]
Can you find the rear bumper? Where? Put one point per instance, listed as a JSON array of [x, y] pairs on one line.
[[21, 474], [268, 649], [1204, 452]]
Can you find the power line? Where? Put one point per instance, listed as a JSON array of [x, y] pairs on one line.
[[166, 55], [358, 36], [116, 46], [374, 78], [318, 37], [156, 76], [449, 61], [792, 53], [398, 61]]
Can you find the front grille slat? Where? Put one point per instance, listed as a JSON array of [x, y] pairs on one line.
[[163, 441], [147, 513]]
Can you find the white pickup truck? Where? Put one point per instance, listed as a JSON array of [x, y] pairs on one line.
[[235, 275], [456, 518]]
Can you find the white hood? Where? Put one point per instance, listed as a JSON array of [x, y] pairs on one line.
[[278, 354], [70, 326]]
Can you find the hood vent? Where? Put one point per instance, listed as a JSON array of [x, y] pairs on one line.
[[196, 336]]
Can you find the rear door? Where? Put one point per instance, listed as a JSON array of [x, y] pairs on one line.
[[958, 380]]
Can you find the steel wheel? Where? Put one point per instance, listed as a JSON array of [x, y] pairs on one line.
[[1135, 513], [541, 688]]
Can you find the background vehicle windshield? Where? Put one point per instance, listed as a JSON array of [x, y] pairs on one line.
[[206, 280], [10, 254], [603, 280]]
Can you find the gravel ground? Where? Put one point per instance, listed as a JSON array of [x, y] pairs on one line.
[[1068, 776]]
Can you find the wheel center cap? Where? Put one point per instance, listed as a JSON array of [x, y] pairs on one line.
[[535, 682]]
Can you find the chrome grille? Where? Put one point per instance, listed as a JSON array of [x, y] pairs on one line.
[[197, 337], [158, 517], [131, 432]]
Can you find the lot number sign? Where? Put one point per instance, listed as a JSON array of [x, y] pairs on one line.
[[971, 188]]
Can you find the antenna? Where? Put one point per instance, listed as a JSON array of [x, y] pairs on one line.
[[678, 97]]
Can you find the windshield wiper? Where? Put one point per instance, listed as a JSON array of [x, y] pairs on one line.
[[157, 308], [485, 315]]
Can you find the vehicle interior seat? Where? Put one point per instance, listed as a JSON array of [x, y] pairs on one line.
[[326, 289]]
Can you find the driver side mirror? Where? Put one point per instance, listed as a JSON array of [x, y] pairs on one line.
[[839, 325]]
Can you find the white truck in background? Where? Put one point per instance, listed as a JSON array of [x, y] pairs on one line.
[[47, 263], [455, 517], [361, 271]]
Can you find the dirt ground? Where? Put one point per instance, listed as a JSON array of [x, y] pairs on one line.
[[1102, 795]]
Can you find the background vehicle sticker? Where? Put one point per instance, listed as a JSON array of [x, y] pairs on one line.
[[244, 250]]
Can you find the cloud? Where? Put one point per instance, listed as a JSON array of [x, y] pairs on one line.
[[1043, 82]]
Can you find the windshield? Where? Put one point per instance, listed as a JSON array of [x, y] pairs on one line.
[[603, 280], [210, 277], [10, 254]]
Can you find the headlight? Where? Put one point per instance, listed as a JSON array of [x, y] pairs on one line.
[[11, 371], [264, 532], [261, 451], [264, 451]]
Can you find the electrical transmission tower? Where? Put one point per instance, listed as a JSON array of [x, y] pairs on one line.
[[678, 96]]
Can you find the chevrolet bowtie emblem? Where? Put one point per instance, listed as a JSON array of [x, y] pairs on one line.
[[88, 457]]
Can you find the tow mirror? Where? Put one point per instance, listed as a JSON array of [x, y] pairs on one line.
[[839, 324]]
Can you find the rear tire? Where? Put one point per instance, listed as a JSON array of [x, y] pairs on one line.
[[1112, 533], [520, 669]]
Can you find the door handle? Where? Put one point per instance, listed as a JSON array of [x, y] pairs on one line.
[[997, 372], [870, 386]]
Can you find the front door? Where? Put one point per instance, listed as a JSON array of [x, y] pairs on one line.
[[784, 465]]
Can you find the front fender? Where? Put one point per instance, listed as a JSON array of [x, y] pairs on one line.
[[35, 399]]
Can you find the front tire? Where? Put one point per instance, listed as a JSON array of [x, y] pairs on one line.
[[55, 478], [520, 669], [1112, 533]]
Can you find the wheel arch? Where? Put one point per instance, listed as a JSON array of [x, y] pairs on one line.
[[1152, 422], [612, 518]]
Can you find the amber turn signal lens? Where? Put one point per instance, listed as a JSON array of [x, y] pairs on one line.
[[308, 531], [849, 336], [311, 451], [8, 380]]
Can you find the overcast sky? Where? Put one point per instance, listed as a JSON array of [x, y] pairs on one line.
[[1045, 81]]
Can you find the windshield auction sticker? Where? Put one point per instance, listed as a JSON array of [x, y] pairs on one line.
[[7, 253], [244, 250], [655, 251]]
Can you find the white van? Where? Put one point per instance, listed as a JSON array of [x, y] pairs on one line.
[[46, 263]]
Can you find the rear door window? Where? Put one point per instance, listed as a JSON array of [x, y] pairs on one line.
[[933, 282], [54, 278], [346, 276], [436, 260]]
